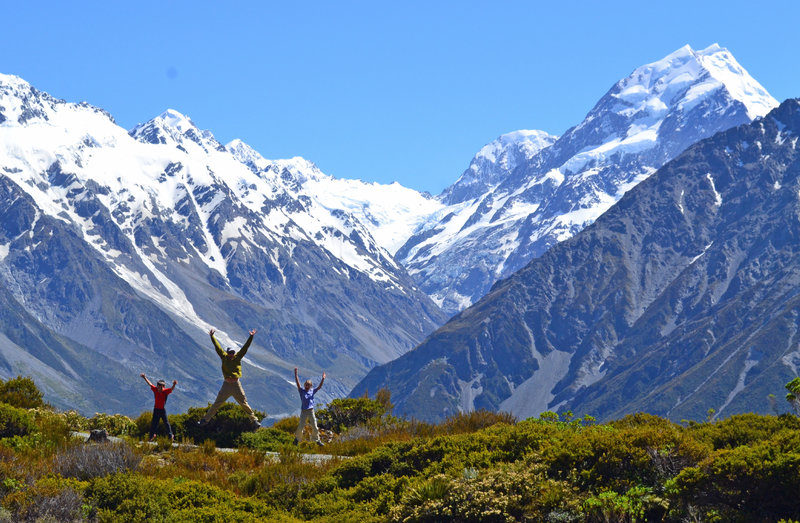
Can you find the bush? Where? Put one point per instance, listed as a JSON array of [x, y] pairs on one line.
[[743, 429], [75, 421], [473, 421], [746, 483], [49, 499], [126, 497], [21, 392], [343, 413], [287, 425], [14, 421], [87, 461], [265, 440], [224, 429], [518, 492], [115, 424]]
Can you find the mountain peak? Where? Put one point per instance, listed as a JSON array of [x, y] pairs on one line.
[[685, 78], [172, 126], [495, 161]]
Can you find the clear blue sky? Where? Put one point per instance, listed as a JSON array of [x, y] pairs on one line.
[[382, 91]]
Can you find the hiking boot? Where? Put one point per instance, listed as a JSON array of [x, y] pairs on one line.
[[295, 442], [321, 444]]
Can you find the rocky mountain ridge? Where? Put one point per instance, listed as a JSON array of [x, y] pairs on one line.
[[680, 298]]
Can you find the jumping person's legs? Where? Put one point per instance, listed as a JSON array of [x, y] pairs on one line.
[[154, 422], [239, 396], [304, 415], [314, 429], [225, 392], [159, 414], [169, 429]]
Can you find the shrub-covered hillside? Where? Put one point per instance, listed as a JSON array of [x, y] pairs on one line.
[[475, 467]]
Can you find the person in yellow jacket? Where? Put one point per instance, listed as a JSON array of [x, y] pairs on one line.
[[231, 386]]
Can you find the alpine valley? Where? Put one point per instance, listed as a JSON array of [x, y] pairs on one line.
[[120, 249]]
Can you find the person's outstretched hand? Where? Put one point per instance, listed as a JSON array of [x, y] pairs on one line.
[[295, 371], [174, 382], [212, 331], [323, 375], [253, 332], [142, 375]]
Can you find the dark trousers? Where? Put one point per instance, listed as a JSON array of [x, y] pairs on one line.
[[159, 414]]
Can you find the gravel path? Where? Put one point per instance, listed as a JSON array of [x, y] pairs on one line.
[[308, 458]]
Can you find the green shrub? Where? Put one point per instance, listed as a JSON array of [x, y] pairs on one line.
[[287, 425], [225, 428], [637, 504], [75, 421], [49, 499], [343, 413], [743, 429], [473, 421], [517, 492], [758, 482], [14, 421], [266, 440], [21, 392], [86, 461], [115, 424], [128, 497], [143, 423], [47, 432]]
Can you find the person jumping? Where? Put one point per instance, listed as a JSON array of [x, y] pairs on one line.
[[307, 408], [231, 386], [159, 412]]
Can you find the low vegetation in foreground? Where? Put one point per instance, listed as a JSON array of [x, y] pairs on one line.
[[480, 466]]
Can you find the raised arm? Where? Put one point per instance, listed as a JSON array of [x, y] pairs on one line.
[[320, 383], [297, 381], [217, 346], [174, 382], [145, 379], [246, 345]]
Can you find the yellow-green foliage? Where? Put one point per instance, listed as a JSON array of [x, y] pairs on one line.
[[14, 421], [48, 499], [270, 439], [343, 413], [115, 424], [21, 392], [224, 429], [474, 467]]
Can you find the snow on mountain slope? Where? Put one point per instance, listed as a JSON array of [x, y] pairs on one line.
[[516, 214], [390, 212], [206, 239]]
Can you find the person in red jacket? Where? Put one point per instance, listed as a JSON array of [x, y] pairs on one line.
[[159, 412]]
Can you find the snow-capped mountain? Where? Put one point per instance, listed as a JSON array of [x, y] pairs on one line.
[[521, 196], [389, 212], [131, 245], [682, 297]]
